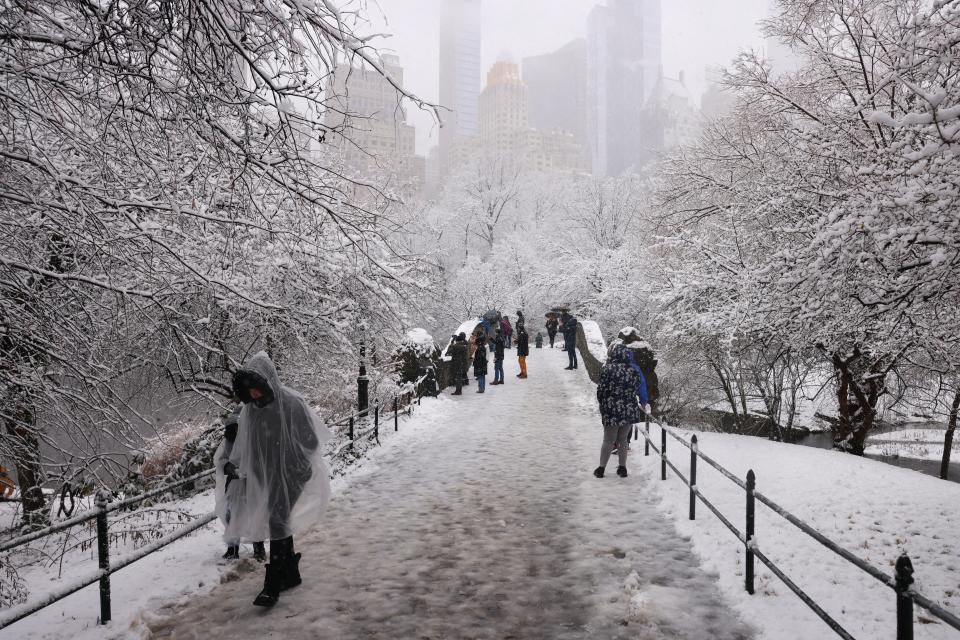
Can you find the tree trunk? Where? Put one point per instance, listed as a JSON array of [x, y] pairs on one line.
[[26, 457], [948, 438]]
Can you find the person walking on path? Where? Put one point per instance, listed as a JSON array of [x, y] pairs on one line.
[[523, 349], [507, 331], [497, 358], [459, 361], [277, 456], [521, 321], [229, 494], [568, 324], [621, 385], [552, 327], [480, 363]]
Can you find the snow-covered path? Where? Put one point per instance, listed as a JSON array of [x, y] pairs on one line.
[[484, 522]]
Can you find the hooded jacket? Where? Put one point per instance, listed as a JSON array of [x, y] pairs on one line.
[[621, 385], [523, 343], [285, 481], [480, 359]]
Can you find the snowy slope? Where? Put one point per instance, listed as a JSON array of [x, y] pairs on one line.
[[871, 508]]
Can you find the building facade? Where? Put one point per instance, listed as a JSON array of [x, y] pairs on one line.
[[459, 75], [503, 109], [505, 130], [557, 90], [370, 122], [623, 65]]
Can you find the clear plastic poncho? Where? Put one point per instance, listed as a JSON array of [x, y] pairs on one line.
[[284, 483]]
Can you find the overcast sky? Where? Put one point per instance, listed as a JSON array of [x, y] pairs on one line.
[[696, 33]]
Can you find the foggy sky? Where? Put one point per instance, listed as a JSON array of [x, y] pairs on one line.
[[696, 33]]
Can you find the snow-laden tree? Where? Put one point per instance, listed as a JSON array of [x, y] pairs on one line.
[[817, 213], [167, 206]]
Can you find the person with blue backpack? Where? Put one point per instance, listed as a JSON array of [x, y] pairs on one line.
[[623, 398]]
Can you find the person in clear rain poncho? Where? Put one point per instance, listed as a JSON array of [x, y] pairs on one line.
[[230, 498], [285, 483]]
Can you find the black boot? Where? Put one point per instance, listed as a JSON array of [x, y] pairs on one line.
[[622, 471], [272, 584], [291, 576], [598, 472], [233, 553], [259, 552]]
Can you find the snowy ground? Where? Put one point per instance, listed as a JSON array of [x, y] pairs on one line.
[[480, 519], [875, 510], [483, 522]]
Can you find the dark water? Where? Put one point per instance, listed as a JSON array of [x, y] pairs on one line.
[[930, 467]]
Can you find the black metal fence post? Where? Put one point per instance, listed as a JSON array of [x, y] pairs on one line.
[[646, 441], [351, 433], [663, 452], [376, 422], [751, 506], [103, 553], [904, 578], [396, 415], [693, 478]]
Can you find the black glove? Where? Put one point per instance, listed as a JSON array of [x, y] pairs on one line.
[[230, 471]]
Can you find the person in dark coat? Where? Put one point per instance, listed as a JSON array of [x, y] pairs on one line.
[[552, 326], [498, 358], [459, 361], [568, 324], [507, 330], [621, 386], [521, 321], [523, 349], [480, 363]]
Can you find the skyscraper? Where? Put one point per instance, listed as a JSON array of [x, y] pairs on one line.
[[623, 63], [557, 90], [503, 109], [369, 120], [459, 74]]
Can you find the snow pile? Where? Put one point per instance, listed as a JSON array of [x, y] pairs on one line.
[[419, 341], [596, 345]]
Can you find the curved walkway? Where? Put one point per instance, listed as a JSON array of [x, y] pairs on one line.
[[487, 524]]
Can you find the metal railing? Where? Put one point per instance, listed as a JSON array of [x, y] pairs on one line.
[[103, 507], [900, 582], [402, 403]]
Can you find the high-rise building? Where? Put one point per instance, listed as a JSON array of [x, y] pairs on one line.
[[623, 63], [505, 132], [669, 118], [369, 119], [459, 75], [557, 90], [503, 109]]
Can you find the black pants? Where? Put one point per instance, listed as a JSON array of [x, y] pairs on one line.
[[280, 510], [572, 355], [552, 337]]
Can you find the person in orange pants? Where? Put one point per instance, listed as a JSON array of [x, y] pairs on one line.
[[523, 350]]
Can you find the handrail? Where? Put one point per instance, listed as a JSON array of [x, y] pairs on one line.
[[91, 514], [935, 609]]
